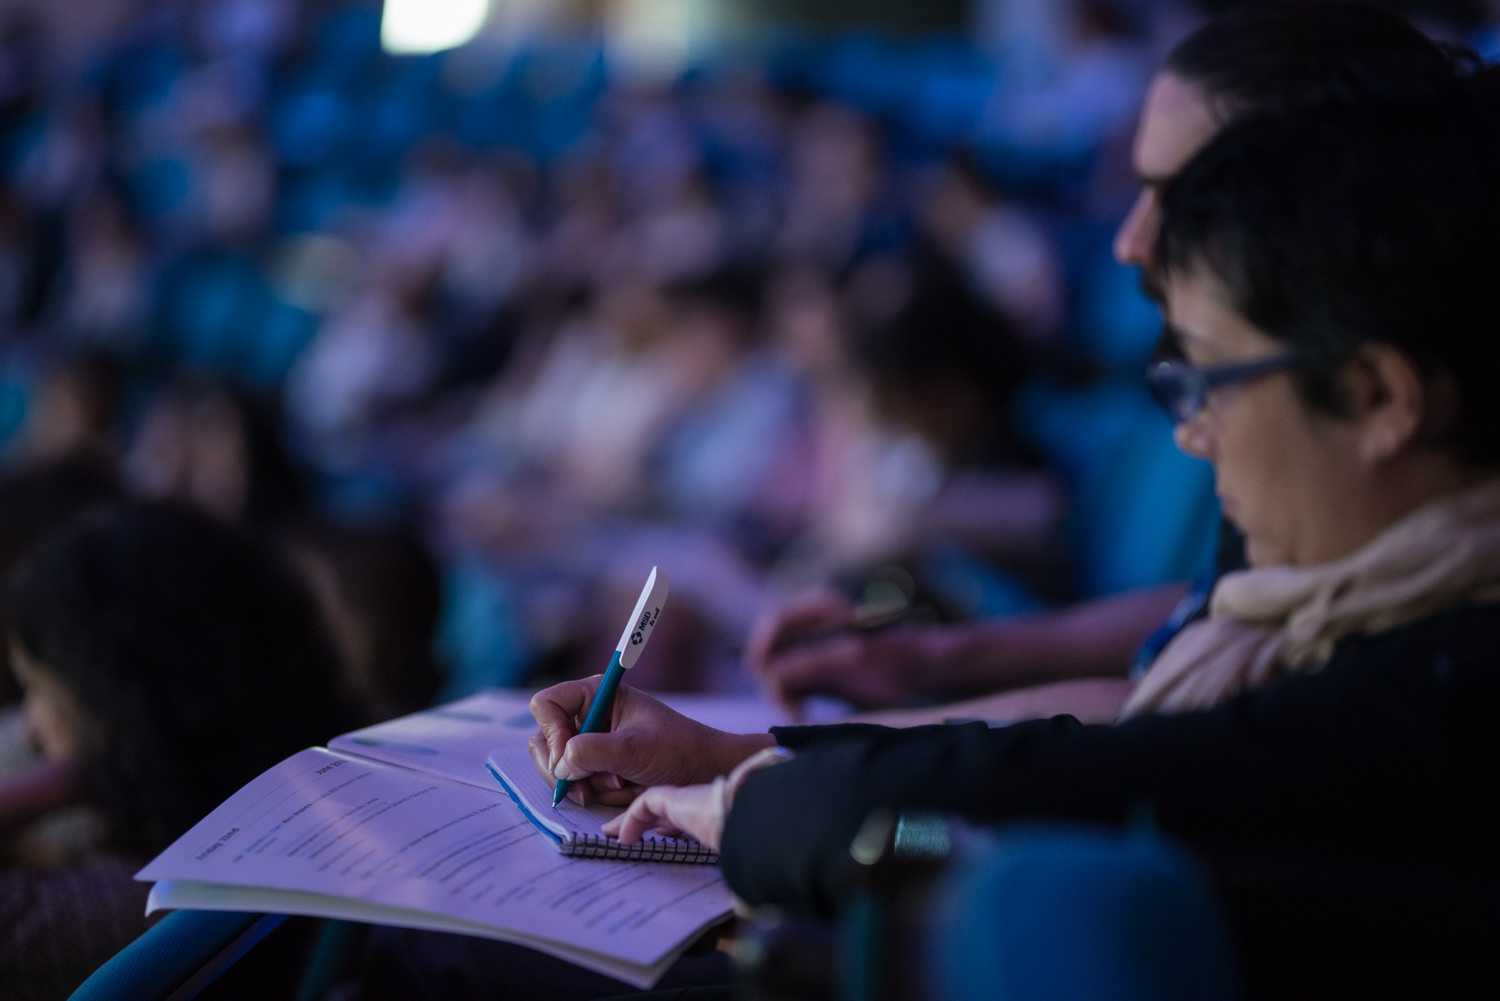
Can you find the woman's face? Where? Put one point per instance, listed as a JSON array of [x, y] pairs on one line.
[[1289, 477], [54, 722]]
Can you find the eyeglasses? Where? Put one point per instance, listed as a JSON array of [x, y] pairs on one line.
[[1182, 390]]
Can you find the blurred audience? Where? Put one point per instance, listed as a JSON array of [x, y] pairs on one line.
[[826, 310]]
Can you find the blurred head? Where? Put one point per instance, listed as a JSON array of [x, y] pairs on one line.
[[74, 408], [38, 498], [175, 656], [1347, 264], [943, 364], [1269, 59], [218, 447], [723, 305], [381, 590], [806, 322]]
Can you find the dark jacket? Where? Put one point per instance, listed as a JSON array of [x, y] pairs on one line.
[[1387, 757]]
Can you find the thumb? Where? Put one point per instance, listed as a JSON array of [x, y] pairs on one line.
[[590, 753]]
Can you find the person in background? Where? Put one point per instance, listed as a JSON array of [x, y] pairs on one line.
[[1277, 59], [166, 659], [36, 499], [220, 447]]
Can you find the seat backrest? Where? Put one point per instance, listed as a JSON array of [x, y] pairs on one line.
[[1141, 512], [178, 956], [1064, 912]]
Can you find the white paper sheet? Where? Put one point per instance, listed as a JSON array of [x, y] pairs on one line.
[[404, 842]]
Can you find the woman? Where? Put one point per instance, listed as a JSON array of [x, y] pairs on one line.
[[166, 660], [1330, 285]]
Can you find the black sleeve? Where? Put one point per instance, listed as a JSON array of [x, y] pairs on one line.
[[1371, 754]]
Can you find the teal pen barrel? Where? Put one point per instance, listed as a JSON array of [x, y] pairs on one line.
[[598, 717]]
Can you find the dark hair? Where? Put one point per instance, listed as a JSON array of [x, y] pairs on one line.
[[36, 499], [734, 291], [947, 363], [275, 491], [1372, 223], [384, 579], [1277, 57], [196, 655]]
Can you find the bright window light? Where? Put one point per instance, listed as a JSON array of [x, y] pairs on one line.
[[416, 27]]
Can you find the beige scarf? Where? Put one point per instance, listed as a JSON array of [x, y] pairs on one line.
[[1267, 622]]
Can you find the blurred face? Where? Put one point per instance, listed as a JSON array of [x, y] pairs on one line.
[[54, 722], [1176, 122], [1289, 477], [194, 451]]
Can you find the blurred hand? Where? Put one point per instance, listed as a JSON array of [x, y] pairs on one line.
[[808, 647], [647, 744]]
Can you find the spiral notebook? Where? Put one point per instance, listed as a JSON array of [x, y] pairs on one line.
[[578, 830]]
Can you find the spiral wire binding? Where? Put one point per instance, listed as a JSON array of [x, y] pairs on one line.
[[645, 850]]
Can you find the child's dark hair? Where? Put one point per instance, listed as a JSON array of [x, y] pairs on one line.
[[196, 655]]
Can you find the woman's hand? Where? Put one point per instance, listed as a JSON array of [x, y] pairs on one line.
[[647, 744], [699, 811], [696, 811]]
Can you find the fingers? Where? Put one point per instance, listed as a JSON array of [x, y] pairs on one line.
[[541, 756], [606, 759], [648, 814], [647, 744], [605, 789], [831, 667], [557, 711], [696, 811], [536, 746], [611, 790], [810, 612]]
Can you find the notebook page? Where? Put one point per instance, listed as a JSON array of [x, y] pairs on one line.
[[518, 774]]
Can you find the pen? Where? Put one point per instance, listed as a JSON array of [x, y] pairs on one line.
[[637, 630]]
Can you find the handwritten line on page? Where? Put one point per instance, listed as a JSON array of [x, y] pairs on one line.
[[579, 830]]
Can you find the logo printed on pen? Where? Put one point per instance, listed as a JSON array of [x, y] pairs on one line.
[[640, 627]]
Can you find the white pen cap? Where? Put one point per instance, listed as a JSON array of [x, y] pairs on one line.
[[643, 620]]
